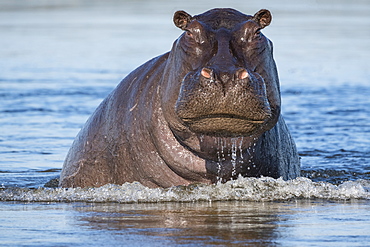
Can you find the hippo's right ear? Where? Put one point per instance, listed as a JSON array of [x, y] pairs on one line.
[[181, 19]]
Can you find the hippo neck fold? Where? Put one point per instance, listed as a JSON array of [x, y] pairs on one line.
[[173, 153]]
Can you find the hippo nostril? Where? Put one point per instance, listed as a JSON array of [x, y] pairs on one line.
[[206, 72], [242, 74]]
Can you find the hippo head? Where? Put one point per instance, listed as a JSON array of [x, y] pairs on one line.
[[220, 79]]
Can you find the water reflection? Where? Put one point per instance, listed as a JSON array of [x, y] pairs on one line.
[[290, 223], [237, 223], [207, 223]]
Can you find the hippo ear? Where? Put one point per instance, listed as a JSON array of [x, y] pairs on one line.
[[181, 19], [263, 17]]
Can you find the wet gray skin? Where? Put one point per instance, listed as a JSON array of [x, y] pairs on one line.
[[207, 111]]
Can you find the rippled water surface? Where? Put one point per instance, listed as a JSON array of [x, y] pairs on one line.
[[60, 59], [300, 223]]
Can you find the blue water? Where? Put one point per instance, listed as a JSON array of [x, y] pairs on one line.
[[59, 60], [185, 224]]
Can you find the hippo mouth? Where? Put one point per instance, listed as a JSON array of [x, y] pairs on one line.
[[223, 117], [223, 125]]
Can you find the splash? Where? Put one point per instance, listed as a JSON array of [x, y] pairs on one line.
[[241, 189]]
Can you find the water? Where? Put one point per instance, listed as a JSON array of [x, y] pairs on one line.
[[235, 223], [59, 60]]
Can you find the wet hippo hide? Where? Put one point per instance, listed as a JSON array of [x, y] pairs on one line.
[[207, 111]]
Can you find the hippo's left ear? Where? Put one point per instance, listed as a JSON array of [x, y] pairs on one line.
[[181, 19], [263, 17]]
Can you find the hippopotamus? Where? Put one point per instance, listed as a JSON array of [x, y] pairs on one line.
[[208, 111]]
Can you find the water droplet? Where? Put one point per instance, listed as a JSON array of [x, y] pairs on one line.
[[201, 138], [233, 155], [240, 147]]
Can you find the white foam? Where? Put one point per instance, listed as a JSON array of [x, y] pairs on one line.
[[242, 189]]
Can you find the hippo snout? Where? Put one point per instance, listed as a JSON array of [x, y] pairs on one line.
[[230, 103]]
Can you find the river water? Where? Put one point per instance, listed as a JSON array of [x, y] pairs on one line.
[[60, 59]]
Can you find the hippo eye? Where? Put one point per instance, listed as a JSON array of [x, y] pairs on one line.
[[189, 34], [194, 36]]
